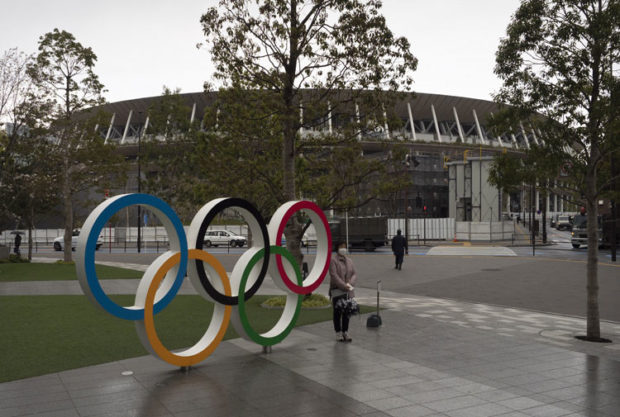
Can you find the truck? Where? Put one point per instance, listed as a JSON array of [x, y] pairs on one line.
[[367, 233], [579, 235]]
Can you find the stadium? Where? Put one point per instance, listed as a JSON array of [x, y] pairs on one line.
[[436, 129], [447, 138]]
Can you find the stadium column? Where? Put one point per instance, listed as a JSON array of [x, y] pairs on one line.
[[126, 127], [411, 121], [478, 128], [525, 139], [437, 133], [107, 136], [329, 116], [458, 125], [385, 123]]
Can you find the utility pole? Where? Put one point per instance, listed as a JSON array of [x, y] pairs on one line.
[[614, 209], [533, 218], [409, 159], [544, 214], [614, 171], [139, 190]]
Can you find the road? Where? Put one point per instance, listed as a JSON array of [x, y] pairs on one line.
[[552, 281], [559, 247]]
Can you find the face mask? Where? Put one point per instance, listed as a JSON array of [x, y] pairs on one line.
[[342, 251]]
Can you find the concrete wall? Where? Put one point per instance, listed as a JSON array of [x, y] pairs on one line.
[[474, 198]]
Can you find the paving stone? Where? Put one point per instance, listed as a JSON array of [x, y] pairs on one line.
[[428, 359], [445, 405], [411, 411]]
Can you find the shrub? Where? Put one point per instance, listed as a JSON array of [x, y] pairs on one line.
[[312, 301], [14, 259]]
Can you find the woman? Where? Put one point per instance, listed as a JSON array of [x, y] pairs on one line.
[[342, 279]]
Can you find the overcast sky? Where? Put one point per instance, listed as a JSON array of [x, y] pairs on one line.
[[143, 45]]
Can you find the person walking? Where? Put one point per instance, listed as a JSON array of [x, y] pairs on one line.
[[18, 242], [342, 279], [399, 247]]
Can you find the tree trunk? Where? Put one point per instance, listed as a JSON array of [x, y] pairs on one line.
[[288, 161], [293, 230], [68, 210], [593, 317]]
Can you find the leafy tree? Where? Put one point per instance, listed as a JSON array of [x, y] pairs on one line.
[[280, 58], [168, 152], [28, 183], [243, 157], [14, 89], [555, 63], [27, 177], [63, 74]]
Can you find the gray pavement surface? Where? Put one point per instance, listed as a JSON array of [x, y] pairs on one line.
[[434, 355], [542, 283]]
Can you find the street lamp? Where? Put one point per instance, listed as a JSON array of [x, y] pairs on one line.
[[139, 187]]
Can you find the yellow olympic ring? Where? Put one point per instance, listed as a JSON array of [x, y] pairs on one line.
[[216, 330]]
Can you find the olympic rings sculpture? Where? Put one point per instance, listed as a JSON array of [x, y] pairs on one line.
[[163, 278]]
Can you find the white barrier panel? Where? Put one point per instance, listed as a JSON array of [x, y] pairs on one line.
[[484, 231], [423, 229]]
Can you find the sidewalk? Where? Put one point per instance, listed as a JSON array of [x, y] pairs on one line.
[[431, 357]]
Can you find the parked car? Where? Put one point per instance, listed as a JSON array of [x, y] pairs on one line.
[[223, 237], [564, 222], [309, 238], [306, 241], [554, 221], [59, 242]]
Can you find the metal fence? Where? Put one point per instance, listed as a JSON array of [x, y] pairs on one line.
[[115, 235]]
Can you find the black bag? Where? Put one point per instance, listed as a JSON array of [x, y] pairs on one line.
[[347, 305], [373, 320]]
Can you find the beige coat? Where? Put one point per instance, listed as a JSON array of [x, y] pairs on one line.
[[342, 272]]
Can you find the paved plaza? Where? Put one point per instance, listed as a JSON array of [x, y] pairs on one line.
[[433, 356]]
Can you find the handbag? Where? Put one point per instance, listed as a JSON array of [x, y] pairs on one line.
[[347, 305]]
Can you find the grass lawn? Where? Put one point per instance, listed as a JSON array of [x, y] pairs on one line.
[[58, 272], [44, 334]]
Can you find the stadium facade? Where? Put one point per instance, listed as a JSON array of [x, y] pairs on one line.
[[435, 128], [440, 133]]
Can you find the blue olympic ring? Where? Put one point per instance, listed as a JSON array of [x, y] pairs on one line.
[[85, 261]]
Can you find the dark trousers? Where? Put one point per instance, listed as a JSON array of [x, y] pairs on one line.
[[341, 320], [399, 258]]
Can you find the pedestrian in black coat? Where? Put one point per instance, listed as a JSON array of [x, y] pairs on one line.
[[18, 241], [399, 247]]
